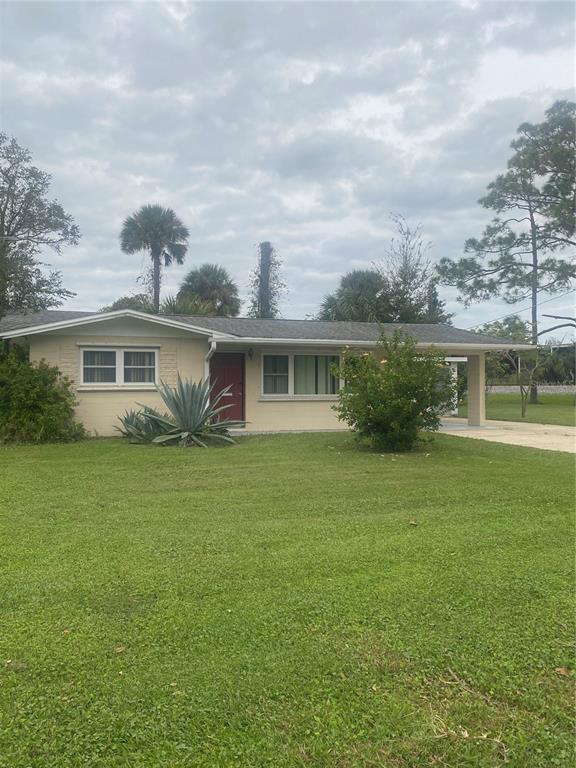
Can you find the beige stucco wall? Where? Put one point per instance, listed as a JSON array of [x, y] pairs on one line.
[[286, 414], [267, 414], [99, 410]]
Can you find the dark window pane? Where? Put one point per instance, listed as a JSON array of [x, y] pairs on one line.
[[99, 357], [139, 375], [276, 364], [276, 384], [100, 375], [139, 359]]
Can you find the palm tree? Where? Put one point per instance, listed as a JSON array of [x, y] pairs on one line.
[[360, 296], [187, 305], [159, 231], [212, 284]]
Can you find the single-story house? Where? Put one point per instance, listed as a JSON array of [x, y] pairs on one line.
[[279, 370]]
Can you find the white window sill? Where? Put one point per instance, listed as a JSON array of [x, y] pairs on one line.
[[297, 398], [116, 388]]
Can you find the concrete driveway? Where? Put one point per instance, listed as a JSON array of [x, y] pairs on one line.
[[548, 437]]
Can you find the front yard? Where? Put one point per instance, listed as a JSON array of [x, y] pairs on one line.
[[551, 409], [291, 601]]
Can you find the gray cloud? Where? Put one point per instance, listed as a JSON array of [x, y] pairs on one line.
[[306, 124]]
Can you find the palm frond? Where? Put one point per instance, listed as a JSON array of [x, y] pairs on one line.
[[213, 284], [154, 228], [186, 305]]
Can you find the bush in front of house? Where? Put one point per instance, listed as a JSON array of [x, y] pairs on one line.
[[393, 395], [36, 403], [194, 418]]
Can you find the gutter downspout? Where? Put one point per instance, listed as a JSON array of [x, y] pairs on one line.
[[208, 357]]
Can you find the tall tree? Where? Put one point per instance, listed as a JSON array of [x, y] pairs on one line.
[[266, 283], [211, 284], [511, 327], [160, 232], [551, 147], [29, 223], [400, 289], [410, 277], [361, 296], [525, 250]]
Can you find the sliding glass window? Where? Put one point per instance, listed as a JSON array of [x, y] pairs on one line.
[[313, 375]]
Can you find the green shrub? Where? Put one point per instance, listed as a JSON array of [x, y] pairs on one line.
[[194, 417], [391, 396], [36, 403]]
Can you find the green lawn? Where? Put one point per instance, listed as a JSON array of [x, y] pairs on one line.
[[552, 409], [290, 601]]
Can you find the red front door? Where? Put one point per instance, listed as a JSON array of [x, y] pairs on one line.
[[227, 370]]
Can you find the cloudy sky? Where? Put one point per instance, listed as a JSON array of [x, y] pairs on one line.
[[301, 123]]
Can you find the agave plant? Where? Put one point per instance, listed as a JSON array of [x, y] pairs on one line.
[[138, 426], [195, 414]]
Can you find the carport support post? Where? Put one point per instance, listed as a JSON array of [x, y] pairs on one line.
[[476, 390]]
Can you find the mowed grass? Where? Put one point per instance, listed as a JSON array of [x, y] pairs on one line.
[[551, 409], [290, 601]]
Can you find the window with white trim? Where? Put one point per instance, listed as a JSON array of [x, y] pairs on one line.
[[299, 375], [139, 366], [119, 367], [99, 366], [313, 375], [275, 377]]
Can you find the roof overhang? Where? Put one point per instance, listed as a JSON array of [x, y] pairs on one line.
[[100, 317], [462, 348]]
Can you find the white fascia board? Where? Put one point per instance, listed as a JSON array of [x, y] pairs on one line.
[[471, 349], [116, 314], [292, 342], [462, 348]]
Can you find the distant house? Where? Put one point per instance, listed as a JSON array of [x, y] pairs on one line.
[[279, 370]]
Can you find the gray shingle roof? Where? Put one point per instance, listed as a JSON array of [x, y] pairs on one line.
[[29, 319], [335, 331], [247, 327]]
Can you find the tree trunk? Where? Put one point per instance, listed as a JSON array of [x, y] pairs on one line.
[[3, 278], [523, 401], [264, 303], [156, 280], [534, 292]]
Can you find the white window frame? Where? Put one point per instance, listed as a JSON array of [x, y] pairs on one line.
[[291, 395], [290, 375], [119, 383]]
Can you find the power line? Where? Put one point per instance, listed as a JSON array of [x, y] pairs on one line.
[[523, 309]]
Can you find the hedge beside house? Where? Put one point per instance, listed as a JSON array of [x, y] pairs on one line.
[[36, 403]]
